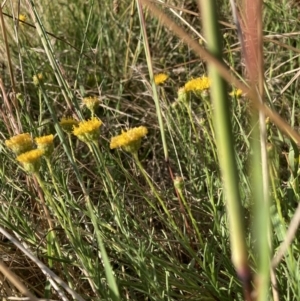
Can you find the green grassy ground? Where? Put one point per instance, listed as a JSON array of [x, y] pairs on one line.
[[149, 224]]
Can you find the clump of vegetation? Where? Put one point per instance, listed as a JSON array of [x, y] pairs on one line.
[[130, 170]]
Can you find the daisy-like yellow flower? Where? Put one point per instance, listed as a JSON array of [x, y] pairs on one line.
[[236, 93], [46, 144], [22, 17], [198, 84], [67, 124], [91, 102], [130, 140], [160, 78], [31, 160], [20, 143], [37, 79], [88, 130]]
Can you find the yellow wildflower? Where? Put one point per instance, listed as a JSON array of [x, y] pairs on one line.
[[67, 124], [31, 156], [160, 78], [37, 79], [20, 143], [88, 131], [129, 140], [197, 84], [22, 17], [31, 160], [44, 140], [236, 93], [91, 102], [46, 144]]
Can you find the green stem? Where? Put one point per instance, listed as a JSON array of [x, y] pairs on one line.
[[154, 87], [225, 145], [154, 191], [187, 207], [109, 184], [52, 236]]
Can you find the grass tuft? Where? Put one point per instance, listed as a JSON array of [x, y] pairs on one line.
[[113, 175]]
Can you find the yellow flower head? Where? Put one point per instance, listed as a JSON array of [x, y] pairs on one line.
[[67, 124], [22, 17], [129, 140], [88, 131], [20, 143], [91, 102], [46, 144], [31, 156], [236, 93], [44, 140], [31, 160], [160, 78], [198, 84], [37, 79]]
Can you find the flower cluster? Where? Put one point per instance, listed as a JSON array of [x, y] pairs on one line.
[[20, 143], [160, 78], [37, 79], [23, 147], [45, 143], [237, 93], [91, 102], [88, 131], [67, 124], [22, 17], [31, 160], [130, 140], [198, 84]]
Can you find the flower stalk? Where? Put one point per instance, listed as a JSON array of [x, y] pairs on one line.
[[226, 151]]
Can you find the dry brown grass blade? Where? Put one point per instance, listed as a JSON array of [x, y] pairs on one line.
[[252, 35], [12, 124], [223, 70], [7, 53], [55, 280], [10, 102], [13, 278]]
